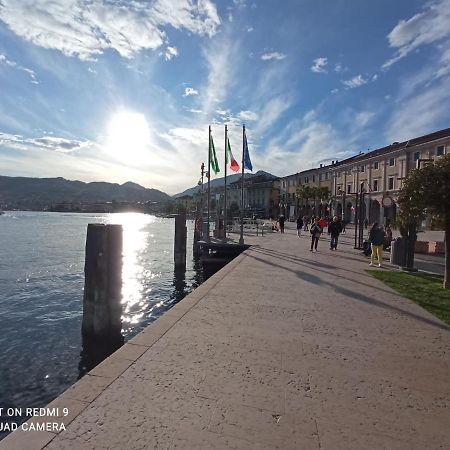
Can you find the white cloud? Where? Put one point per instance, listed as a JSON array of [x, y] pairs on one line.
[[444, 63], [248, 115], [426, 27], [355, 82], [250, 29], [375, 77], [334, 91], [304, 144], [363, 118], [407, 121], [48, 143], [319, 65], [189, 91], [218, 53], [170, 53], [13, 64], [272, 111], [85, 29], [274, 55]]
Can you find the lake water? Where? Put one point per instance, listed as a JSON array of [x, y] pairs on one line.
[[41, 294]]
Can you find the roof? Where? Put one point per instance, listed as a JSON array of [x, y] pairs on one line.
[[399, 146]]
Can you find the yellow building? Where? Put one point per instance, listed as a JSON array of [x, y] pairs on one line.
[[380, 173], [291, 205]]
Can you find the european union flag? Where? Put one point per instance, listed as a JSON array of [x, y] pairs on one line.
[[247, 161]]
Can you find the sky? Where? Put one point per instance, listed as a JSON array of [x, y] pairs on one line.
[[124, 90]]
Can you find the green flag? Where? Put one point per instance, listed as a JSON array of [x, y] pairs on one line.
[[212, 152]]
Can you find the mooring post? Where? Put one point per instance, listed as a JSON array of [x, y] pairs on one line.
[[102, 309], [179, 253], [197, 235]]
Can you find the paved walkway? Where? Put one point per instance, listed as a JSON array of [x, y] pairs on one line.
[[282, 349]]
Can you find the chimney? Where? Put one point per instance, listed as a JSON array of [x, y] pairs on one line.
[[321, 166], [332, 163]]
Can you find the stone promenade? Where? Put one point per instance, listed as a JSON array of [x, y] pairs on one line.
[[282, 349]]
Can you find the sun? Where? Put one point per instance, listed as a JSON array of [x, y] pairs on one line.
[[128, 136]]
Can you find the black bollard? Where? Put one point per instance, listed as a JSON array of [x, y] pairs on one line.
[[179, 252], [102, 309]]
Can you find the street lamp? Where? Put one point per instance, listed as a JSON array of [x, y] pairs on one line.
[[344, 206]]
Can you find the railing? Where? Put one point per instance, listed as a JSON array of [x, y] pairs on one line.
[[250, 225]]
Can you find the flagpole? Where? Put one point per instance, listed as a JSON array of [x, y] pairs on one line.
[[241, 238], [209, 186], [225, 192]]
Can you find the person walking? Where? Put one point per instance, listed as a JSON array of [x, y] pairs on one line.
[[344, 223], [306, 222], [315, 231], [376, 239], [299, 226], [281, 221], [335, 229], [388, 238]]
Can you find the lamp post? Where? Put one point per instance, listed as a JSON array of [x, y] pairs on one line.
[[342, 192]]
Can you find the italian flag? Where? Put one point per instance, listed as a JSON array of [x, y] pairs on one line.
[[234, 166]]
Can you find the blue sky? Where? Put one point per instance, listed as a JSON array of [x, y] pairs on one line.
[[119, 90]]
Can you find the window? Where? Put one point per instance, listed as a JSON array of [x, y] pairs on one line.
[[349, 188], [348, 171], [391, 183], [306, 179], [314, 178], [327, 176], [376, 165], [321, 177], [375, 185], [338, 174], [362, 168], [392, 162], [416, 156], [440, 150]]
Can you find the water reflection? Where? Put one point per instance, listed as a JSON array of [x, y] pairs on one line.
[[151, 285], [135, 274]]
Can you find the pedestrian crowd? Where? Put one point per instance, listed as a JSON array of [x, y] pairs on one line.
[[379, 239]]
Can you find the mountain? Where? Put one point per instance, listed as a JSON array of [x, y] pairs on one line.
[[217, 182], [40, 193]]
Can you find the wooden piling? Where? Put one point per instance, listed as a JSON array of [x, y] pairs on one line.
[[179, 253], [102, 309]]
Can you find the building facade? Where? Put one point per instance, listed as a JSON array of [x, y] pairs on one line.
[[292, 205], [380, 174], [261, 196]]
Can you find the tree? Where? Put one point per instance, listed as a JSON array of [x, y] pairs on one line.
[[305, 193], [427, 191]]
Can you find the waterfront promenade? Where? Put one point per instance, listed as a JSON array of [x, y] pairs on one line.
[[282, 349]]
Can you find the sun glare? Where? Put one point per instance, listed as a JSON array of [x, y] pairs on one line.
[[128, 136]]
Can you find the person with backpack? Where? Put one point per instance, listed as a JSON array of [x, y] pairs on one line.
[[334, 229], [299, 226], [376, 239], [316, 230]]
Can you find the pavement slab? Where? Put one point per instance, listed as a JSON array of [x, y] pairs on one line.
[[282, 349]]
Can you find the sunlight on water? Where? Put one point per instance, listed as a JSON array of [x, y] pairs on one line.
[[135, 242]]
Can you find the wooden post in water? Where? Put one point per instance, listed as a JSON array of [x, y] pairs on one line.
[[102, 309], [179, 252]]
